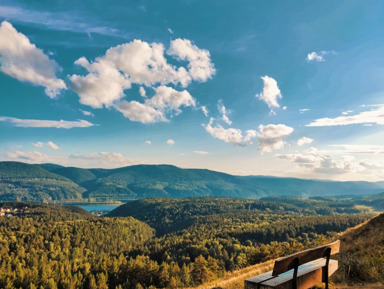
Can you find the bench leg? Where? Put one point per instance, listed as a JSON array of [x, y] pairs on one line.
[[296, 267], [327, 254]]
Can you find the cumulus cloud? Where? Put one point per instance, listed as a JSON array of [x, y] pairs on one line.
[[21, 59], [318, 56], [144, 64], [200, 66], [375, 116], [319, 162], [39, 144], [303, 141], [170, 142], [201, 152], [270, 137], [271, 92], [137, 111], [166, 101], [102, 86], [314, 56], [148, 142], [230, 135], [53, 145], [169, 99], [46, 123], [224, 113]]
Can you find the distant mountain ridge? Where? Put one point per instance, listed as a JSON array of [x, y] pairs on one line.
[[25, 182]]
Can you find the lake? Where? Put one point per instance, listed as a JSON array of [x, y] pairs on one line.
[[99, 207]]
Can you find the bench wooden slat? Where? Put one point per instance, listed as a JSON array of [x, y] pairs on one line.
[[287, 263], [309, 275], [252, 282]]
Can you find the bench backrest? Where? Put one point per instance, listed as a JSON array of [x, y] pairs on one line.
[[300, 258]]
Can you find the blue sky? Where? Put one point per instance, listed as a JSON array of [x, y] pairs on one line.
[[284, 88]]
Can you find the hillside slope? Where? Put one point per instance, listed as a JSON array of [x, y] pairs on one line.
[[361, 261], [24, 182], [19, 181], [362, 253], [143, 181]]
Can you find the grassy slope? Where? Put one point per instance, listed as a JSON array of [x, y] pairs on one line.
[[362, 257]]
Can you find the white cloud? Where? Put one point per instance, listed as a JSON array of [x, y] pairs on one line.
[[148, 142], [53, 145], [360, 149], [102, 86], [57, 21], [135, 62], [304, 140], [170, 142], [86, 113], [201, 152], [170, 30], [319, 56], [166, 101], [200, 66], [230, 135], [375, 116], [142, 91], [317, 161], [270, 137], [224, 113], [205, 110], [347, 112], [21, 59], [302, 110], [101, 160], [30, 157], [271, 92], [39, 144], [314, 56], [46, 123], [91, 160], [137, 111], [141, 63]]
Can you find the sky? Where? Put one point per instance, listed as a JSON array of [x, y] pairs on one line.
[[281, 88]]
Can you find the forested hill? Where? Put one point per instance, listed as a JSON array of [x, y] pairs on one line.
[[19, 181], [361, 257]]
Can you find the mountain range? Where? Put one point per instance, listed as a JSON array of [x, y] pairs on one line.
[[50, 182]]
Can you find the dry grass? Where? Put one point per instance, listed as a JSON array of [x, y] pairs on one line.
[[235, 280], [364, 237], [358, 286]]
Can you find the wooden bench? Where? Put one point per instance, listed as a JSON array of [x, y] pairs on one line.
[[302, 270]]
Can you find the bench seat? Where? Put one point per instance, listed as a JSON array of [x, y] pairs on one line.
[[308, 275], [310, 271]]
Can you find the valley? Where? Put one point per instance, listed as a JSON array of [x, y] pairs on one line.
[[56, 184], [155, 242], [173, 228]]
